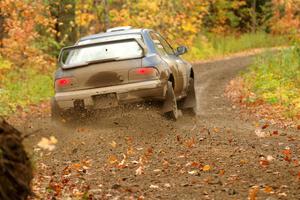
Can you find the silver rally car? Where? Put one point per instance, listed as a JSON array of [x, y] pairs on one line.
[[120, 66]]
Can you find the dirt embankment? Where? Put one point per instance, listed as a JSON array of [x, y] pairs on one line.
[[135, 153]]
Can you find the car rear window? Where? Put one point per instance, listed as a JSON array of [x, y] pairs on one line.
[[117, 50]]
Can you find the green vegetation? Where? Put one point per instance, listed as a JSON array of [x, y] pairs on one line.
[[20, 88], [213, 45], [275, 78]]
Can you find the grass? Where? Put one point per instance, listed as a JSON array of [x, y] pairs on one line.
[[22, 87], [275, 78], [212, 45]]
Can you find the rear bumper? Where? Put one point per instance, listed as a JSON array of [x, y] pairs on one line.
[[132, 92]]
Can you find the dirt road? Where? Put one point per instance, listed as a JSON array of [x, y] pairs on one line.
[[137, 154]]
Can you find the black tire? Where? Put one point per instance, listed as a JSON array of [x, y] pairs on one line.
[[171, 103]]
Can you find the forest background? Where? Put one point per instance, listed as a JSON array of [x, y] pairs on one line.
[[32, 32]]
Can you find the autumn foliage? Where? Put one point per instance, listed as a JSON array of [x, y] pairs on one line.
[[21, 21], [33, 30]]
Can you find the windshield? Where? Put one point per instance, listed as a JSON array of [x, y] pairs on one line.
[[119, 50]]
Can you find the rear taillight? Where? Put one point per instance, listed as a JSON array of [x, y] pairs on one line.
[[143, 73], [63, 82]]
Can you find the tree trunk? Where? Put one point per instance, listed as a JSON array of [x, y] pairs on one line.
[[1, 30], [15, 167], [106, 15], [254, 16]]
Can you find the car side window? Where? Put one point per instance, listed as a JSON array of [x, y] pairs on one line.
[[166, 45], [158, 45]]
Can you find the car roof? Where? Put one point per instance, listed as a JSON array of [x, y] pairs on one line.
[[114, 33]]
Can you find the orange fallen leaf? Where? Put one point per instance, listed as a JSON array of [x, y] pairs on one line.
[[112, 159], [113, 144], [195, 164], [253, 193], [264, 163], [190, 142], [222, 172], [130, 151], [268, 189], [288, 155], [287, 152], [206, 168], [76, 166], [216, 130]]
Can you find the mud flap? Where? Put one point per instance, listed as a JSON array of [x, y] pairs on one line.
[[170, 104], [190, 100]]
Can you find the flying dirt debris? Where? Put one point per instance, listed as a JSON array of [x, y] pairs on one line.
[[15, 167]]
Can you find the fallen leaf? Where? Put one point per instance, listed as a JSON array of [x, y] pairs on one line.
[[193, 172], [130, 151], [53, 140], [190, 142], [47, 144], [168, 185], [253, 193], [206, 168], [268, 189], [288, 154], [264, 162], [113, 144], [265, 126], [221, 172], [76, 166], [154, 186], [260, 133], [216, 130], [112, 159], [275, 132], [139, 171], [270, 158], [122, 163], [195, 164], [282, 194]]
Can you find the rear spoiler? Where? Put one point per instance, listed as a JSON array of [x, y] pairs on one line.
[[138, 40]]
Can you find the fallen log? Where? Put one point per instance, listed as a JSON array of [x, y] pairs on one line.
[[15, 166]]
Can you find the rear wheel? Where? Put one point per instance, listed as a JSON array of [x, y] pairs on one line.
[[170, 108]]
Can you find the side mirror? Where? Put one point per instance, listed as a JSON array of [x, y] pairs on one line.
[[181, 50]]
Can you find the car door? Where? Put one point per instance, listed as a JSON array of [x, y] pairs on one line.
[[168, 55], [181, 66]]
